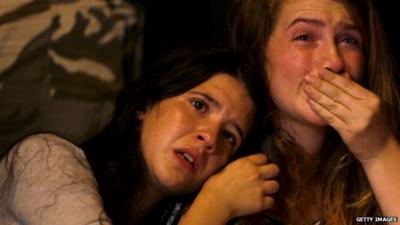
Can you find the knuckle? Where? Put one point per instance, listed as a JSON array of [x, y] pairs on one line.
[[258, 176], [259, 191], [255, 174], [335, 94], [330, 119], [332, 108], [348, 85]]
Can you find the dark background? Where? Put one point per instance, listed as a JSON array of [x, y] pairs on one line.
[[171, 23]]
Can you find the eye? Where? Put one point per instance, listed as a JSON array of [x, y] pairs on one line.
[[303, 37], [350, 41], [199, 105], [229, 137]]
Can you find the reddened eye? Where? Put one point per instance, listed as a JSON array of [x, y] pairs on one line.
[[350, 41], [228, 136]]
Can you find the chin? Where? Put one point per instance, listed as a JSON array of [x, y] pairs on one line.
[[316, 120], [175, 186]]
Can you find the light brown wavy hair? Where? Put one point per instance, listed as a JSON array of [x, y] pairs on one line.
[[344, 192]]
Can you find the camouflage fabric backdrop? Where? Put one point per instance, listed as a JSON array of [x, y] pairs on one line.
[[62, 65]]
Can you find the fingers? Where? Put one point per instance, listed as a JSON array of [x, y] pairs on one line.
[[269, 171], [270, 187], [347, 85], [328, 104], [328, 116], [266, 171], [328, 90], [335, 98], [252, 181], [257, 159]]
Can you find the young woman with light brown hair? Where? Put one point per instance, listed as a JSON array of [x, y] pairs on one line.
[[332, 81]]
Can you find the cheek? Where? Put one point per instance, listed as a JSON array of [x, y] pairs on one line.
[[357, 65], [286, 65], [147, 142], [170, 123], [158, 129], [217, 161], [286, 74]]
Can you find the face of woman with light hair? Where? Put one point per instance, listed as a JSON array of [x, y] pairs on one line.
[[310, 36]]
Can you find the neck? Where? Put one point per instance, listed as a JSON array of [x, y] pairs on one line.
[[309, 137], [143, 204]]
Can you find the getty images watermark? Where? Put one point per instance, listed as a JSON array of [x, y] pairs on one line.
[[370, 219]]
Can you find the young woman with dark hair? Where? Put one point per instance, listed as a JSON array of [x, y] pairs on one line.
[[183, 122]]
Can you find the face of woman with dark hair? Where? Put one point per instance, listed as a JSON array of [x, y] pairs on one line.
[[310, 35], [188, 137]]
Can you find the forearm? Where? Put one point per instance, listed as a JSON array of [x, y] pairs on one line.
[[383, 173], [205, 210]]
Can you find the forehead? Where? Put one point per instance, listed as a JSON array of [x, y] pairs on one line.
[[226, 87], [234, 101], [331, 11]]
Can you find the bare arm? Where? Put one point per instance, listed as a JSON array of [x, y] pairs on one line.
[[383, 173], [50, 182]]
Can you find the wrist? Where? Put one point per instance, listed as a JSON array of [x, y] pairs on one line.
[[386, 152], [207, 208], [215, 202]]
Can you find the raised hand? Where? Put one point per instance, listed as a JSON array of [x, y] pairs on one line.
[[355, 112], [243, 187]]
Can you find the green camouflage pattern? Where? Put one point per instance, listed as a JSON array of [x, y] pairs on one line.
[[63, 63]]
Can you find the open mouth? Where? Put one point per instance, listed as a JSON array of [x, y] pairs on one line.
[[186, 157]]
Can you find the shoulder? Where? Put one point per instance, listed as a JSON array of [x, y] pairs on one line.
[[44, 156], [30, 145], [42, 149], [50, 182]]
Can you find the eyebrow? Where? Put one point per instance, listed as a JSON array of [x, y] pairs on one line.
[[218, 105], [344, 25], [350, 27], [306, 20]]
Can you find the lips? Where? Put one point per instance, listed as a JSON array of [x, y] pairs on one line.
[[188, 158]]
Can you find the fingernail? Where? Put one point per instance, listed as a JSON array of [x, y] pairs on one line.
[[312, 103]]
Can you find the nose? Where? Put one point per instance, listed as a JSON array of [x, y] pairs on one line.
[[331, 59], [207, 139]]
